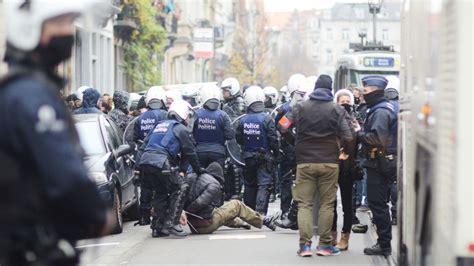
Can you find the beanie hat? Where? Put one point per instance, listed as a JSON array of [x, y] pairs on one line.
[[324, 82]]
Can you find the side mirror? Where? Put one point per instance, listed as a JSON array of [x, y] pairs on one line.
[[123, 150]]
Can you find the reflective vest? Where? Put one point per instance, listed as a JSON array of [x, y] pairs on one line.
[[209, 127], [254, 132], [163, 139]]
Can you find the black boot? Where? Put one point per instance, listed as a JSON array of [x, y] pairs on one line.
[[177, 199], [378, 250], [144, 218], [157, 228]]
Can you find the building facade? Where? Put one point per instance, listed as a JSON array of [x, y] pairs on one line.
[[342, 24]]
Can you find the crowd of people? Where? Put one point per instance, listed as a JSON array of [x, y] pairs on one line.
[[209, 159], [217, 156]]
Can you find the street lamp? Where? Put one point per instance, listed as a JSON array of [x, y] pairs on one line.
[[374, 9]]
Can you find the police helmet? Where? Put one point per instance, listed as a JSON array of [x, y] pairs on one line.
[[232, 85], [253, 94], [155, 97], [271, 93], [26, 18], [297, 82], [209, 92]]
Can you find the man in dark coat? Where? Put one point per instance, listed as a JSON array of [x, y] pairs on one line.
[[205, 213]]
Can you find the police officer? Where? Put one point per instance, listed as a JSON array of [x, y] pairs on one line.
[[257, 134], [212, 128], [191, 95], [271, 98], [391, 93], [168, 150], [234, 106], [379, 140], [48, 202], [297, 88], [145, 123]]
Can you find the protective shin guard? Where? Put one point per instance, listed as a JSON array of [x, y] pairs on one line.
[[177, 200]]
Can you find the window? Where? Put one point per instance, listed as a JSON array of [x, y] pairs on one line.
[[328, 57], [94, 58], [385, 34], [345, 34], [329, 34], [110, 136]]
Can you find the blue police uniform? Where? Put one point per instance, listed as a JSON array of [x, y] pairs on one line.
[[257, 134], [212, 128], [61, 202], [169, 146], [288, 163], [144, 124], [379, 140]]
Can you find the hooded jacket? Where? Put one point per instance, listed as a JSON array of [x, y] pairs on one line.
[[205, 193], [120, 114], [322, 128], [89, 102]]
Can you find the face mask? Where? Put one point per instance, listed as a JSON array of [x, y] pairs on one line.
[[356, 100], [348, 107], [374, 97], [268, 103], [58, 50]]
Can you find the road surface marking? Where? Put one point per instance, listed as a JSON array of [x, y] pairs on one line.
[[98, 245], [237, 237]]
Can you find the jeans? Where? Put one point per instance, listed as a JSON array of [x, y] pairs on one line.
[[316, 179], [361, 191]]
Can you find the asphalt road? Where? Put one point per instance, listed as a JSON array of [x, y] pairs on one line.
[[135, 246]]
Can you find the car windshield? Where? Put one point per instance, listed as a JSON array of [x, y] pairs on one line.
[[357, 76], [90, 137]]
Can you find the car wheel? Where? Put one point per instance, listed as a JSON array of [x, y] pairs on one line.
[[118, 213], [133, 213]]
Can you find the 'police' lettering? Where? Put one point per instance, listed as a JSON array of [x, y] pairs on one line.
[[161, 128], [252, 129], [207, 124]]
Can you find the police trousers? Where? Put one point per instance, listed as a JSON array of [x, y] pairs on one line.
[[170, 193], [227, 214], [258, 185], [377, 196]]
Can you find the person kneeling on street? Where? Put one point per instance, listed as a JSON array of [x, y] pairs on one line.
[[168, 148], [204, 211]]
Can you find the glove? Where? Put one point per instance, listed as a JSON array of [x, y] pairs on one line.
[[201, 171]]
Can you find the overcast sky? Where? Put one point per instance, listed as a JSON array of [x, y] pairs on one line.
[[290, 5]]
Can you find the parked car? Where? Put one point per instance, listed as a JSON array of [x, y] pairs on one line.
[[110, 164]]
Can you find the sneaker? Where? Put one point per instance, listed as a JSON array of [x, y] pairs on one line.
[[305, 250], [269, 221], [285, 222], [363, 208], [175, 231], [327, 251]]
